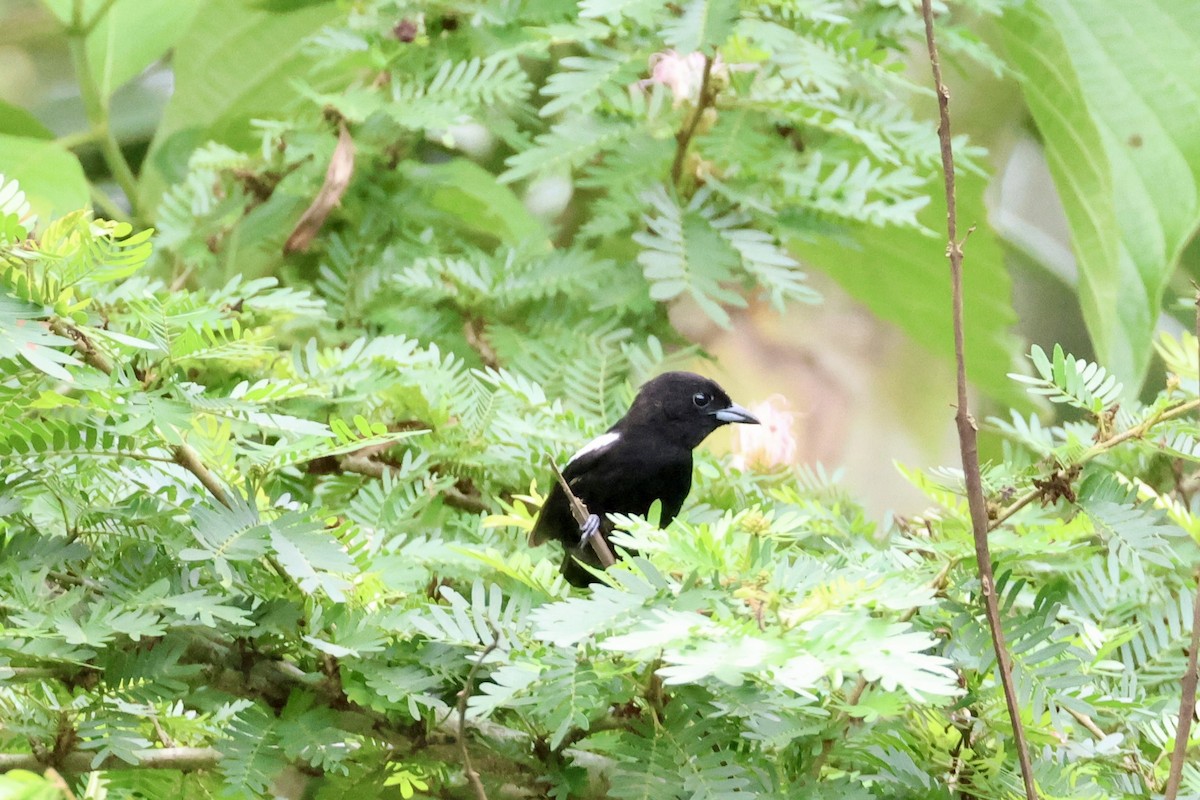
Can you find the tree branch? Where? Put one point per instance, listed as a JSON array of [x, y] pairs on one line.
[[181, 454], [580, 513], [967, 436], [463, 696], [96, 105], [683, 139], [359, 464], [189, 459], [1138, 431], [180, 758], [1187, 684]]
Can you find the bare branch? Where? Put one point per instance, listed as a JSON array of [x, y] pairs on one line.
[[182, 454], [1139, 431], [967, 436], [357, 464], [189, 459], [683, 139], [180, 758], [337, 180], [1187, 698], [463, 696]]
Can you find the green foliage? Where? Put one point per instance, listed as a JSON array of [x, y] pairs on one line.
[[274, 600], [1101, 87], [268, 509]]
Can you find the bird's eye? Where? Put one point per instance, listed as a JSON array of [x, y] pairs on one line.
[[701, 399]]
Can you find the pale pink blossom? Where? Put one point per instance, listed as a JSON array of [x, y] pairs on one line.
[[771, 444], [682, 74]]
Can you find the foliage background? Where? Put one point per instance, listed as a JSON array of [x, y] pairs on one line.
[[263, 505]]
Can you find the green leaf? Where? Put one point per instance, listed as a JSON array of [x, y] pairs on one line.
[[310, 555], [22, 785], [236, 62], [1113, 90], [903, 276], [132, 35], [704, 24], [50, 176], [467, 196], [682, 252], [16, 121], [22, 335]]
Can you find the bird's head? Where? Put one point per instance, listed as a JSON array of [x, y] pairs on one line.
[[684, 406]]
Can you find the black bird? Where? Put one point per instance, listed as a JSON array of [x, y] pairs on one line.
[[646, 456]]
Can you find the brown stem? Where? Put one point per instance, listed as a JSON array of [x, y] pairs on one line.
[[860, 686], [476, 335], [1136, 432], [967, 436], [463, 696], [189, 459], [180, 758], [580, 513], [182, 454], [373, 468], [1187, 698], [683, 139]]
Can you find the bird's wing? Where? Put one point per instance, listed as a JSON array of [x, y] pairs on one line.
[[555, 520]]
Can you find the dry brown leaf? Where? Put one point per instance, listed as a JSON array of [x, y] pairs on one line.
[[337, 178]]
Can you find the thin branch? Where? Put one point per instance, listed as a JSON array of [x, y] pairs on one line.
[[96, 107], [683, 139], [967, 435], [180, 758], [358, 464], [60, 783], [181, 454], [1087, 722], [1187, 698], [189, 459], [860, 686], [91, 355], [580, 513], [463, 696], [1138, 431], [473, 330]]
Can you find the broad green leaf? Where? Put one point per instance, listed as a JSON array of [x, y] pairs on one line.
[[465, 195], [1115, 91], [132, 35], [235, 62], [50, 176], [903, 276], [702, 25], [23, 785], [16, 121]]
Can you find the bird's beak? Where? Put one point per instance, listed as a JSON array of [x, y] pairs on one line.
[[736, 413]]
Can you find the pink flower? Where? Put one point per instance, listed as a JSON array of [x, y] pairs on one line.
[[682, 74], [773, 443]]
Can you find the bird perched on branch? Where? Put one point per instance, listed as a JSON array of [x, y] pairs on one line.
[[646, 456]]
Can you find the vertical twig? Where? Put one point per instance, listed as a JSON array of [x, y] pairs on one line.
[[967, 438], [683, 139], [1187, 697], [463, 696]]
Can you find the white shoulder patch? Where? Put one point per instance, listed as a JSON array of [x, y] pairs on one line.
[[599, 443]]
